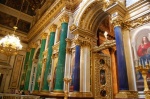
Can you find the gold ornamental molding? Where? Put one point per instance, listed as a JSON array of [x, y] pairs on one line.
[[53, 28], [127, 94], [147, 94], [131, 24], [136, 23]]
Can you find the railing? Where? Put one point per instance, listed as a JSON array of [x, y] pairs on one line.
[[16, 96]]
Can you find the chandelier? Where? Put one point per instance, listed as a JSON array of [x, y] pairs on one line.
[[10, 44]]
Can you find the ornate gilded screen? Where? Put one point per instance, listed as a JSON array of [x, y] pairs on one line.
[[102, 76]]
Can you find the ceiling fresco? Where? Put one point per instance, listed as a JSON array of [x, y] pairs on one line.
[[29, 6], [10, 21]]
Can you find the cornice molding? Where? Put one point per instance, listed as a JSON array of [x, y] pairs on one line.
[[137, 22], [77, 30], [45, 19]]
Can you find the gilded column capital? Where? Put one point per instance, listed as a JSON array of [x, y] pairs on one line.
[[44, 60], [45, 53], [53, 28], [117, 21], [54, 55], [28, 49], [77, 41], [86, 43], [68, 41], [33, 45], [64, 18], [44, 35], [68, 50]]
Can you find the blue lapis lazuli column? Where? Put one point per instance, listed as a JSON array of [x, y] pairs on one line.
[[76, 70], [122, 71]]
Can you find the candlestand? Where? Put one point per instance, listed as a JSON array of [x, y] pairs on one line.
[[144, 71]]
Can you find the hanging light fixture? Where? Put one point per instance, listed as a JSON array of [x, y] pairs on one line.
[[10, 44]]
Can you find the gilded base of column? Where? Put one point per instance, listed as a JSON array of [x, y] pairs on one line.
[[127, 94], [35, 92], [44, 92], [147, 94], [58, 91], [80, 94]]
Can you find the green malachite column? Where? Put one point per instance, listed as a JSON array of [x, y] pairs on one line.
[[62, 55], [27, 79], [49, 55], [26, 63], [39, 65]]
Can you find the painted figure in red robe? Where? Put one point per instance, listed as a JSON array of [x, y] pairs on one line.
[[144, 51]]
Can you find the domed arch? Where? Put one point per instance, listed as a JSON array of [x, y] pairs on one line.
[[90, 16]]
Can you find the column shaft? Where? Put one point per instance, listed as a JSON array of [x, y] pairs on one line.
[[76, 70], [85, 69], [61, 58], [27, 79], [39, 66], [48, 61], [122, 71], [24, 70]]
